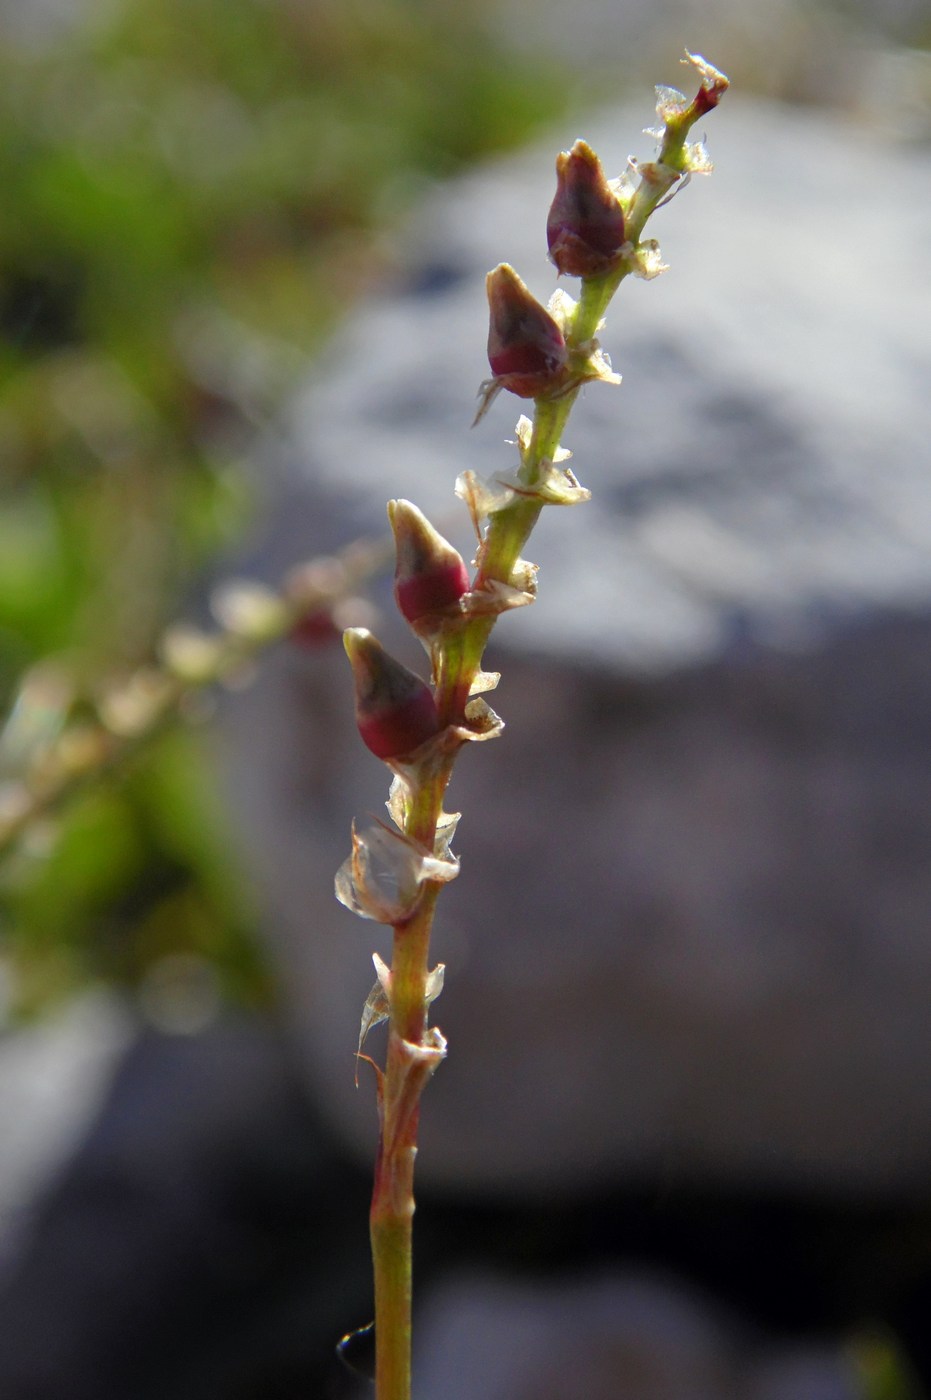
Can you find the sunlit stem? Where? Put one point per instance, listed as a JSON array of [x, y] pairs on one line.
[[457, 660]]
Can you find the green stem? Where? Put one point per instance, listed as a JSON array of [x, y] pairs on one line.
[[457, 659], [456, 664], [392, 1210], [390, 1234]]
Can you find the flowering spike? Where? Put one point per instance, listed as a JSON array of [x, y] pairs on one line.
[[395, 710], [526, 348], [430, 576], [585, 226], [594, 231]]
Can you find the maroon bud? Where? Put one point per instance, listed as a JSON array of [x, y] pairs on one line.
[[585, 226], [430, 576], [526, 349], [395, 710]]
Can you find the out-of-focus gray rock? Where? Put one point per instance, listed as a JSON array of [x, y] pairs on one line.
[[691, 930], [618, 1337], [200, 1240], [826, 53], [53, 1079]]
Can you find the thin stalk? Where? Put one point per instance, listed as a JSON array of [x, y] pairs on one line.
[[458, 661], [413, 1048], [88, 750], [392, 1210]]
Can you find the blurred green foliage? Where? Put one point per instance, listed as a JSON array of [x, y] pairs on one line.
[[193, 194], [881, 1369]]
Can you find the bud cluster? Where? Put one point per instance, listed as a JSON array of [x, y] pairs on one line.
[[399, 721], [396, 712], [593, 233], [544, 353], [394, 872], [529, 346]]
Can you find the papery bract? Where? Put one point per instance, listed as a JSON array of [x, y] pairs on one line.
[[383, 877]]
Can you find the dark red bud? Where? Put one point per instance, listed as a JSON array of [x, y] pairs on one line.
[[526, 349], [430, 576], [585, 226], [431, 593], [395, 710]]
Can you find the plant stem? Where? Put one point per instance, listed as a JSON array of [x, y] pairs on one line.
[[392, 1210], [63, 769], [414, 1049], [390, 1233], [456, 665]]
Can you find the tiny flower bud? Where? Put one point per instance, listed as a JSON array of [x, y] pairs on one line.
[[585, 226], [714, 83], [430, 575], [395, 710], [526, 349]]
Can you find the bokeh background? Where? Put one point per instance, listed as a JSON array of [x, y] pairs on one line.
[[195, 195]]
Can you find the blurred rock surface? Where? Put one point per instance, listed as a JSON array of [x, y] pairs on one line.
[[205, 1238], [627, 1337], [54, 1077]]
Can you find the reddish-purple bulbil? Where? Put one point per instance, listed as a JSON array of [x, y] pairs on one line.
[[430, 576], [395, 710], [526, 348], [585, 226]]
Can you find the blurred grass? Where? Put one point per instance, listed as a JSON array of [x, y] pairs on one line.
[[193, 196]]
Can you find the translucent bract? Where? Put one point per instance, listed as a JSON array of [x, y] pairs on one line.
[[382, 878]]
